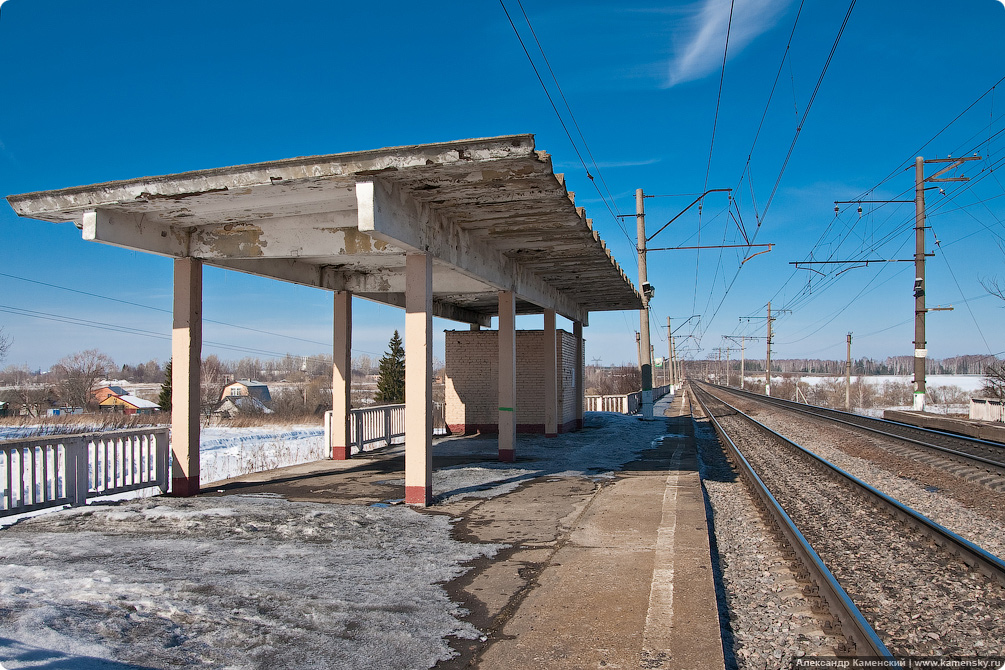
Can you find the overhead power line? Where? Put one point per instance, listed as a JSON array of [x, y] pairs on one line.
[[158, 309], [760, 216], [145, 333], [612, 205], [806, 112]]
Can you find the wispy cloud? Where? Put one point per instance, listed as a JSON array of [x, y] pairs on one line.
[[603, 165], [702, 35]]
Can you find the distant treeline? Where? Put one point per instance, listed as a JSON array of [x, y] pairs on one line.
[[971, 364]]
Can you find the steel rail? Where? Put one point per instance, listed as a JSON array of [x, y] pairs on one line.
[[854, 625], [971, 554], [858, 421]]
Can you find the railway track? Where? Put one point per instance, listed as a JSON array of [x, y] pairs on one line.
[[900, 585], [987, 459]]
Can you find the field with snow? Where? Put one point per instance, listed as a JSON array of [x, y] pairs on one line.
[[970, 383], [227, 452], [260, 582]]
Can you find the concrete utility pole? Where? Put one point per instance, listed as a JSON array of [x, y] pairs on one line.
[[847, 378], [646, 362], [920, 350], [670, 359], [743, 352], [920, 345], [767, 367], [652, 359], [727, 366], [743, 360]]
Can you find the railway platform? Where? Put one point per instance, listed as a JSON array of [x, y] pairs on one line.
[[597, 573], [991, 431]]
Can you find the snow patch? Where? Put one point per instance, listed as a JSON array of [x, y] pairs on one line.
[[251, 582], [606, 442]]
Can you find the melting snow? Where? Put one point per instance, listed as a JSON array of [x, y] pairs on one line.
[[261, 582], [236, 582]]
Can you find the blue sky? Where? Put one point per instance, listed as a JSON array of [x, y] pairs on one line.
[[97, 91]]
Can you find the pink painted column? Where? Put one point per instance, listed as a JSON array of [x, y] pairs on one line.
[[550, 375], [418, 379], [577, 333], [186, 362], [507, 376], [341, 429]]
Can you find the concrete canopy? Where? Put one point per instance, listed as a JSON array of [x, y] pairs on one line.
[[491, 212]]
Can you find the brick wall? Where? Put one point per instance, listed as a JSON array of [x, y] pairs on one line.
[[568, 372], [472, 380]]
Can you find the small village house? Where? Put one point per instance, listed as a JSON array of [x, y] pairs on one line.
[[247, 388], [104, 392], [128, 404]]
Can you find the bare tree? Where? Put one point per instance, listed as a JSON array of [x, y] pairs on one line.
[[78, 374], [29, 400], [994, 372], [994, 380], [993, 286], [5, 342], [211, 383], [248, 368]]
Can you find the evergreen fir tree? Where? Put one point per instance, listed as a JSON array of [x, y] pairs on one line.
[[391, 379], [164, 399]]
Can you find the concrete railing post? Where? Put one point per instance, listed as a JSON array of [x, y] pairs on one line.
[[77, 469]]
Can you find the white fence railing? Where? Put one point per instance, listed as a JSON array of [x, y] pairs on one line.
[[987, 409], [622, 404], [60, 470], [382, 426], [379, 426]]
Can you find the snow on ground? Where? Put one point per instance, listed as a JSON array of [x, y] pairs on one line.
[[970, 383], [227, 452], [607, 441], [235, 582], [261, 582]]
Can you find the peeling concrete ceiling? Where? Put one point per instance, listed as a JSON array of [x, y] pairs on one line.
[[491, 212]]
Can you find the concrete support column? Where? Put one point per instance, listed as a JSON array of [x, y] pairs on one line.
[[577, 333], [186, 364], [341, 433], [507, 376], [550, 375], [418, 379]]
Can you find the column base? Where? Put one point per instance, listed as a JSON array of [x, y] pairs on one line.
[[507, 455], [184, 487], [418, 495], [341, 453]]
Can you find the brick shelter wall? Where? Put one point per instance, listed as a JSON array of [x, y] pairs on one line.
[[568, 372], [472, 381]]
